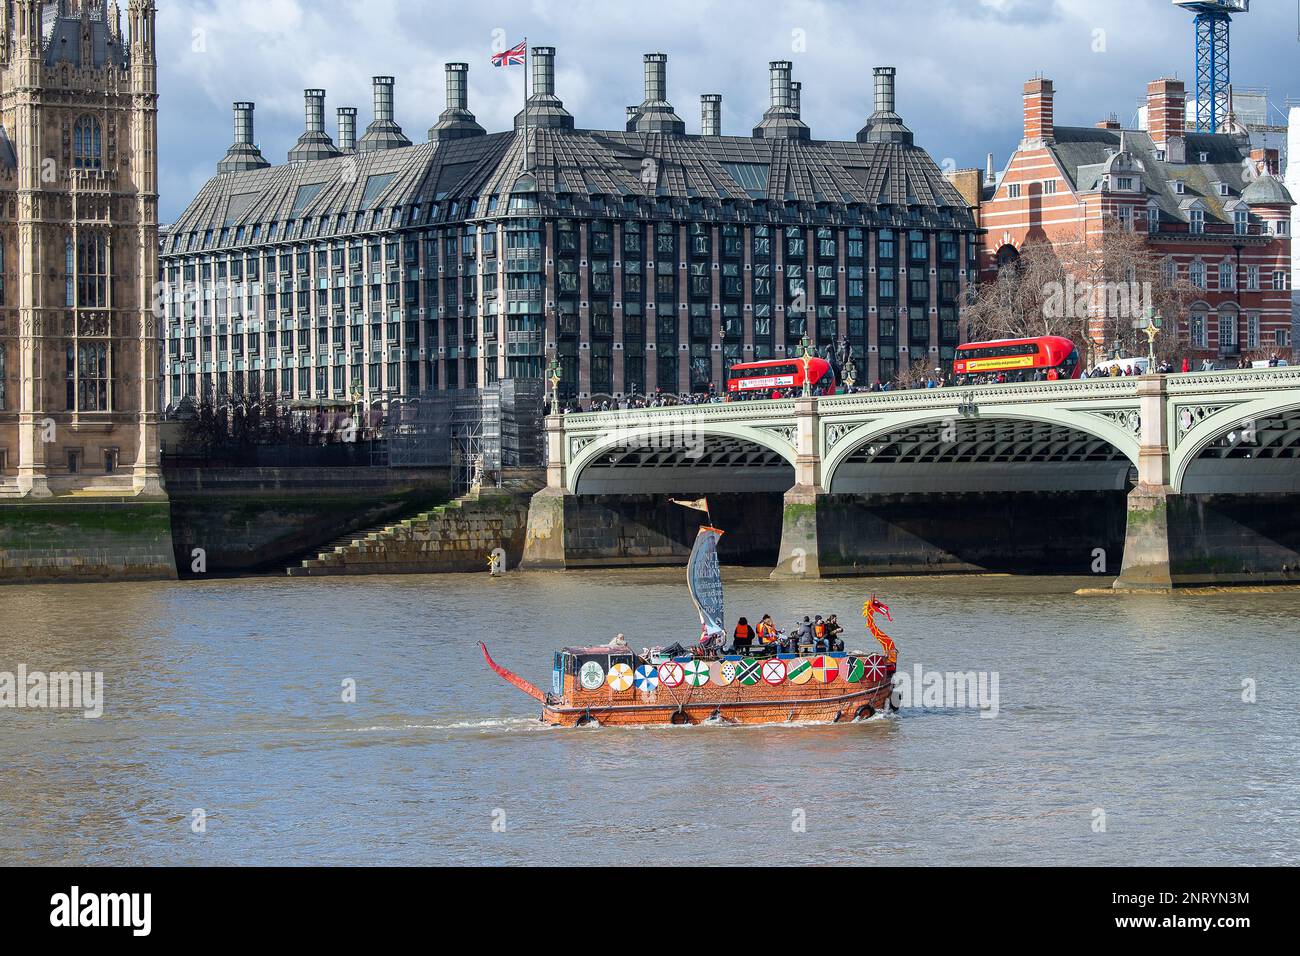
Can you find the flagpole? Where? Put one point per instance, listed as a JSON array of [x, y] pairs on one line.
[[525, 160]]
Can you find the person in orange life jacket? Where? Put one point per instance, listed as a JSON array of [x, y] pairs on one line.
[[819, 634], [743, 637], [766, 630]]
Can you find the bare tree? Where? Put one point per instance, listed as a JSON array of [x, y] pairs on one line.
[[1096, 289]]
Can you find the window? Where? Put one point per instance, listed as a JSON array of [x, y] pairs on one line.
[[1049, 187], [1227, 329], [1241, 222], [1153, 219], [1252, 278], [1279, 281], [3, 373], [1126, 183], [86, 144], [1196, 222], [1227, 276], [88, 377], [1281, 227], [1126, 217], [1196, 273], [1198, 324], [1283, 337], [1252, 330], [1180, 187], [1013, 191]]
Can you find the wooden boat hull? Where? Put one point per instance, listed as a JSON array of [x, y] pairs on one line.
[[823, 703]]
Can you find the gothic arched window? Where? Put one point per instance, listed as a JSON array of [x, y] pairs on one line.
[[87, 144]]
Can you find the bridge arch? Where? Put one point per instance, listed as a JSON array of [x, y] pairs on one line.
[[681, 456], [1249, 447], [1003, 450]]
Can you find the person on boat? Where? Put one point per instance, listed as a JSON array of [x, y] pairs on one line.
[[833, 631], [711, 642], [743, 638], [800, 634], [820, 644], [766, 631], [619, 641]]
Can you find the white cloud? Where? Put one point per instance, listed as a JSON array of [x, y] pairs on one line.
[[961, 63]]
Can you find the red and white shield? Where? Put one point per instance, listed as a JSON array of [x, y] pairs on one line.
[[671, 674], [774, 671], [875, 668]]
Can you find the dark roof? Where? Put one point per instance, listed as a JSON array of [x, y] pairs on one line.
[[63, 38], [1085, 152], [575, 165]]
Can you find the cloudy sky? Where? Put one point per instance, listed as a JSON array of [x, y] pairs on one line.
[[961, 63]]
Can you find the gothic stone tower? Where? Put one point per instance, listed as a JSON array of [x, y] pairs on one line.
[[78, 248]]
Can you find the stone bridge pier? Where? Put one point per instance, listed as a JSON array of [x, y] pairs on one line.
[[1151, 482]]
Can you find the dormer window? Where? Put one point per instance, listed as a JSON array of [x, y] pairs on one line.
[[1223, 188], [1241, 222], [1203, 157], [1153, 219], [1161, 154], [1196, 222], [1180, 187], [1126, 183]]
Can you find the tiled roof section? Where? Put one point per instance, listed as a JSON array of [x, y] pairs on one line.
[[1084, 153], [580, 163], [1268, 191], [63, 41]]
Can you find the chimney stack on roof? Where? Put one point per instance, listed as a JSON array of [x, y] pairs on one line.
[[383, 132], [781, 121], [885, 125], [456, 121], [1167, 117], [1040, 111], [314, 143], [711, 114], [656, 114], [544, 108], [348, 129], [244, 154]]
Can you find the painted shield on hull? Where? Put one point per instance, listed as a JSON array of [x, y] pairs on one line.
[[825, 669], [619, 677], [799, 671], [591, 676], [647, 677], [697, 673], [774, 671], [722, 673], [748, 672], [855, 671], [875, 668], [671, 674]]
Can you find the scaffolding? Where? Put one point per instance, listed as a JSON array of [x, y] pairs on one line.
[[476, 433]]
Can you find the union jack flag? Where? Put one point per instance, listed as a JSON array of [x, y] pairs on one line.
[[511, 57]]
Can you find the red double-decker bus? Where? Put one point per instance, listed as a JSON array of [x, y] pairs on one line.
[[1020, 360], [760, 379]]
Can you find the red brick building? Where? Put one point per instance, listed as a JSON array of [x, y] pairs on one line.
[[1214, 208]]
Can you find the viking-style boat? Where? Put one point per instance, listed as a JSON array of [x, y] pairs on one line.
[[612, 685]]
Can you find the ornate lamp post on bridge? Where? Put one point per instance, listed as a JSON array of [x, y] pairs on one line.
[[1152, 330], [807, 361], [554, 375]]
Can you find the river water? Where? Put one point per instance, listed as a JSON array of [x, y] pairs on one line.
[[226, 696]]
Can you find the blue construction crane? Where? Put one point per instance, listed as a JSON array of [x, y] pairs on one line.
[[1212, 58]]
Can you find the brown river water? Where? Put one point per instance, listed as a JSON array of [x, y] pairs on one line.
[[1128, 729]]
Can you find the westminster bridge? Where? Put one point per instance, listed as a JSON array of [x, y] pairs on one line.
[[1193, 477]]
